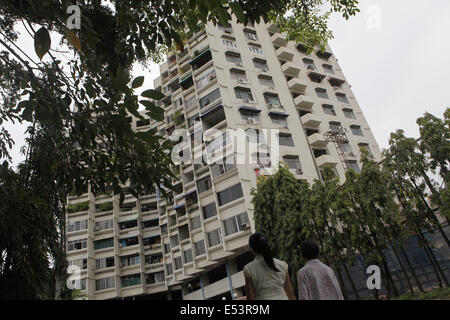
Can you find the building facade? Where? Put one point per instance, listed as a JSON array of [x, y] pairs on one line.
[[246, 79]]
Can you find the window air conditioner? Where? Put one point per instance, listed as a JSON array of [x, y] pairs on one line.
[[246, 100], [97, 228], [251, 120], [266, 70], [269, 105], [239, 64], [245, 226], [272, 88]]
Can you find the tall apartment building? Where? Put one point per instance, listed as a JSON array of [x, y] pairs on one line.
[[194, 244]]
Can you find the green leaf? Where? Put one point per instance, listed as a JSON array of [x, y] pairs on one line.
[[238, 12], [27, 113], [42, 42], [137, 82], [152, 94]]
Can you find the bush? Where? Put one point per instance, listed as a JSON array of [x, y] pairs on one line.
[[82, 206]]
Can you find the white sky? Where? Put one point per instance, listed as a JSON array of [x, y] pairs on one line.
[[393, 53]]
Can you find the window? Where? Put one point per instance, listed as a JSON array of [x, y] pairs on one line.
[[250, 34], [266, 81], [192, 120], [229, 43], [328, 109], [81, 263], [156, 277], [218, 142], [319, 152], [131, 241], [310, 132], [214, 238], [174, 241], [166, 248], [348, 113], [261, 158], [346, 148], [246, 115], [285, 139], [272, 98], [366, 146], [169, 268], [230, 194], [235, 224], [353, 164], [204, 184], [129, 260], [255, 49], [105, 243], [178, 263], [238, 75], [309, 63], [260, 64], [255, 136], [356, 130], [233, 57], [292, 161], [206, 79], [278, 119], [328, 68], [226, 28], [322, 93], [190, 102], [341, 97], [335, 126], [301, 48], [104, 283], [77, 225], [104, 263], [212, 96], [218, 169], [199, 247], [187, 254], [209, 211], [178, 103], [195, 223], [243, 93], [103, 225]]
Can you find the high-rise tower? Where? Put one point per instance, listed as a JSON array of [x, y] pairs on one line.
[[194, 245]]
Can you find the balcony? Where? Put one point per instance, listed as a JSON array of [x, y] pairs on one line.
[[285, 53], [303, 102], [290, 69], [279, 39], [272, 27], [296, 84], [317, 140], [325, 160], [310, 120]]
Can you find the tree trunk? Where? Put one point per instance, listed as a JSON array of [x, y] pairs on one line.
[[413, 272], [431, 213], [343, 288], [351, 280], [435, 263], [403, 268]]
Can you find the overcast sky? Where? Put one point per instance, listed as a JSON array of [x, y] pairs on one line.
[[395, 55]]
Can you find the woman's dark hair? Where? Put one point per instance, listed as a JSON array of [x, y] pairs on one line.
[[259, 244]]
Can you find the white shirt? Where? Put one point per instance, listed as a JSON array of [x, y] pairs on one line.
[[267, 283]]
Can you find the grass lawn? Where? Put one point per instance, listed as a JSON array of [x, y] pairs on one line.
[[435, 294]]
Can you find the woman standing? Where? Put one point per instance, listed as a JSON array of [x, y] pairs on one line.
[[266, 278]]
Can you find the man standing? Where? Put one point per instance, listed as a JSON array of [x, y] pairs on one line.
[[316, 281]]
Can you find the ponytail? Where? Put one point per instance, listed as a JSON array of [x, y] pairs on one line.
[[259, 244]]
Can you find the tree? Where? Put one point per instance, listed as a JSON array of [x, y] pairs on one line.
[[434, 143], [78, 94], [278, 201]]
